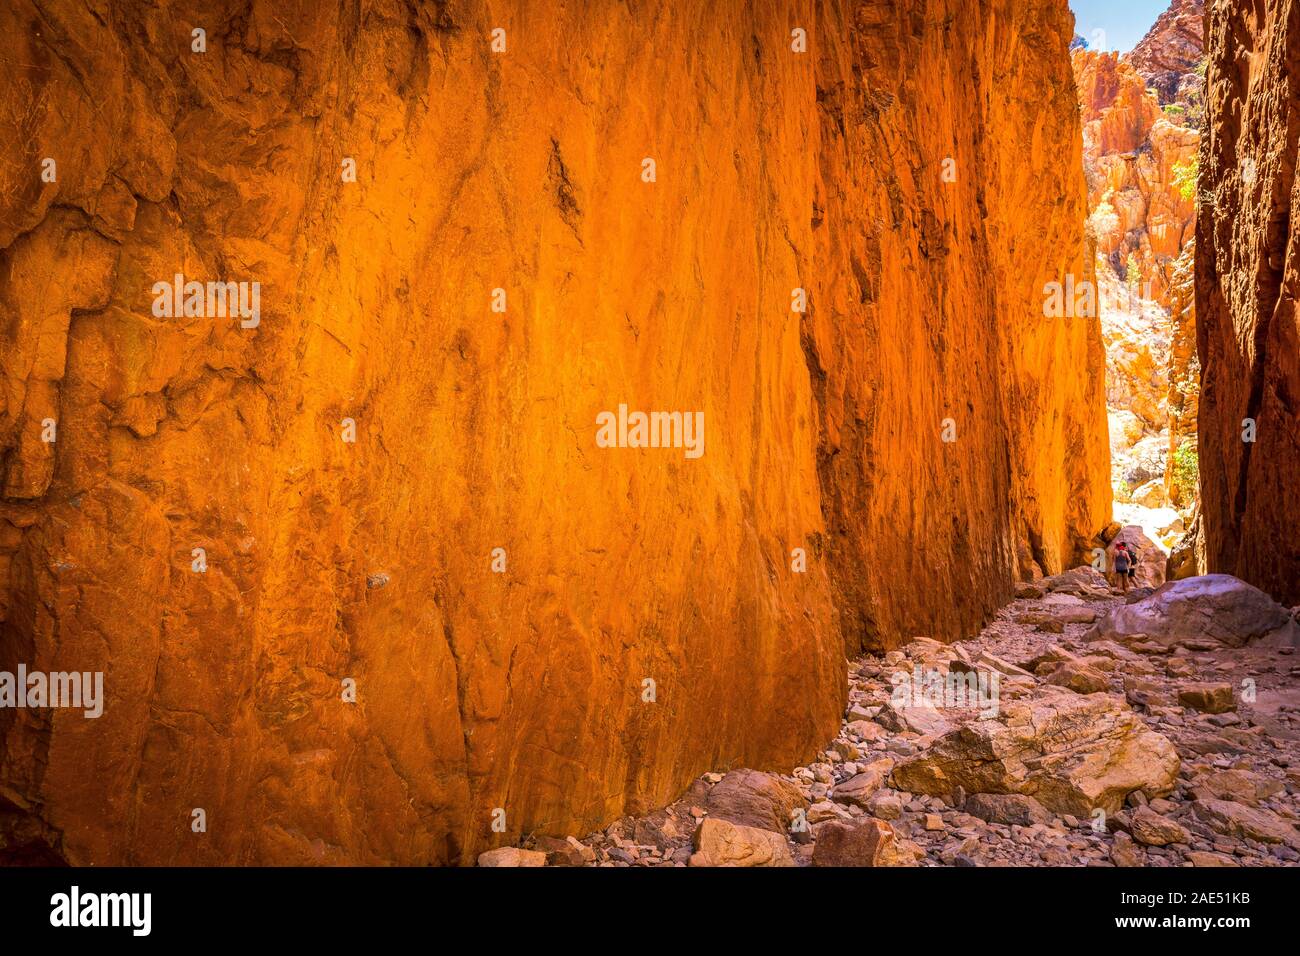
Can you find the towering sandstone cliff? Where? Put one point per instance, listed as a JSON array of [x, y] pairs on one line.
[[1247, 284], [372, 561]]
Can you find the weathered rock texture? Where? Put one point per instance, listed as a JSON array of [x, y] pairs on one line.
[[1072, 752], [371, 560], [917, 257], [1247, 282], [1210, 607], [1167, 57]]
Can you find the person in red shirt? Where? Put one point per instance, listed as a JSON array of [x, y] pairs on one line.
[[1125, 565]]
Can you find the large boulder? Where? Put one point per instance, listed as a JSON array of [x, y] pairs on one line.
[[1153, 829], [868, 843], [1007, 809], [1124, 852], [917, 718], [511, 856], [1073, 753], [563, 851], [858, 789], [1078, 677], [722, 843], [1236, 786], [1151, 560], [1213, 607], [752, 798], [1054, 619], [1083, 582], [1254, 823], [1209, 698]]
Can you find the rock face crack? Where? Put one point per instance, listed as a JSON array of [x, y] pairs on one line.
[[566, 200]]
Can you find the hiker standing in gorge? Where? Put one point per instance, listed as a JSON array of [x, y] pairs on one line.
[[1125, 565]]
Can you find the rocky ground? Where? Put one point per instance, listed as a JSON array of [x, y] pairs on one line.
[[1139, 730]]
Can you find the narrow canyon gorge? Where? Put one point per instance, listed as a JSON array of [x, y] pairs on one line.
[[368, 583]]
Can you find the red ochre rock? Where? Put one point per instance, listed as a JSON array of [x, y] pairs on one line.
[[1247, 275], [916, 173]]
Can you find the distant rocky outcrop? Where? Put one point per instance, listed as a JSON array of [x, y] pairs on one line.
[[1134, 153], [1168, 56], [1142, 114]]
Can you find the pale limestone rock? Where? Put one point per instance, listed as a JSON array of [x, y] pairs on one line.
[[1072, 753], [720, 843]]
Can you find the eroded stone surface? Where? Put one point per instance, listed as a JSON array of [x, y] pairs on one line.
[[1217, 608], [1247, 274], [1074, 753], [372, 561], [719, 843]]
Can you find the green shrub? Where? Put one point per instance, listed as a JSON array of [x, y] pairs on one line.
[[1185, 176], [1132, 271], [1186, 471]]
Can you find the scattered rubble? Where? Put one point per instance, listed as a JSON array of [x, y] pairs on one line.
[[1162, 732]]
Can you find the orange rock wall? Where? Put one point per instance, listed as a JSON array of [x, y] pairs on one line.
[[1247, 284], [371, 560], [895, 348]]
